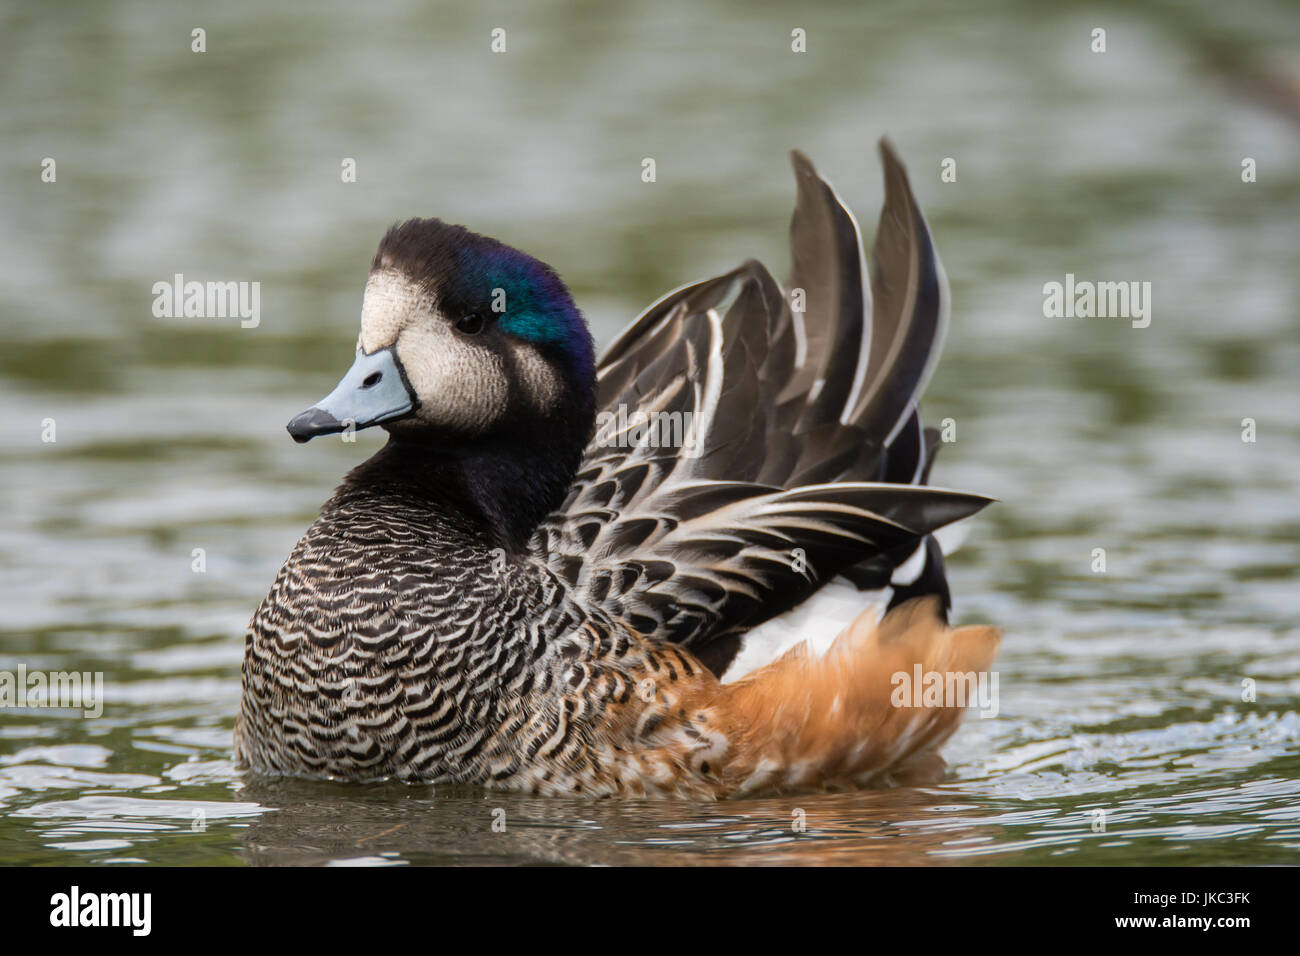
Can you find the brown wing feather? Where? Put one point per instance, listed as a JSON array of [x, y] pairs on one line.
[[785, 427]]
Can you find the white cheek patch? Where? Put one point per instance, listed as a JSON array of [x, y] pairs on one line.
[[537, 379], [391, 301], [459, 385]]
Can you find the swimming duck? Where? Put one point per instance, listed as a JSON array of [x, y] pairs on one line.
[[647, 575]]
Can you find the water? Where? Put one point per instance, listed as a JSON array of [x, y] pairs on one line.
[[1120, 691]]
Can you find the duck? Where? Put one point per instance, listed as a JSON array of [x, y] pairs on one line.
[[693, 568]]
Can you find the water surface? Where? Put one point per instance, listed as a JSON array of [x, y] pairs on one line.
[[1121, 691]]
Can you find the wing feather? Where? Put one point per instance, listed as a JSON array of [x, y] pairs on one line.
[[745, 452]]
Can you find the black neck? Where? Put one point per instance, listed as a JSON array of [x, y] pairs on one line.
[[506, 486]]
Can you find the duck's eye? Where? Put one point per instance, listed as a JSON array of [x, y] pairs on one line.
[[470, 324]]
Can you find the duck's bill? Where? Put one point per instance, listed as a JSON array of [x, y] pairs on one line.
[[374, 391]]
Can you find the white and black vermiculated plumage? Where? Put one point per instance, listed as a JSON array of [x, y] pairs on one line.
[[519, 592]]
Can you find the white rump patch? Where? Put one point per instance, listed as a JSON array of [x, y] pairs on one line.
[[907, 572], [818, 620], [824, 616], [953, 536]]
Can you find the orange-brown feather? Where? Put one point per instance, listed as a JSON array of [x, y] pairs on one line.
[[806, 721], [801, 722]]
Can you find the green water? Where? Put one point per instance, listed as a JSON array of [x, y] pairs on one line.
[[1119, 691]]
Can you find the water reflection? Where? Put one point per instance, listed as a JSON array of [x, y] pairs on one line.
[[316, 825]]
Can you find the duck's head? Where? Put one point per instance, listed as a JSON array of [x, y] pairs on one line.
[[464, 342]]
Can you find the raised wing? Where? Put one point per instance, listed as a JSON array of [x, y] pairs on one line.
[[754, 442]]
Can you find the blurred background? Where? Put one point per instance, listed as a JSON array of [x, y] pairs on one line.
[[1120, 691]]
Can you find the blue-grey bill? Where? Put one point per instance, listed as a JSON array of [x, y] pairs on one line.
[[373, 391]]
